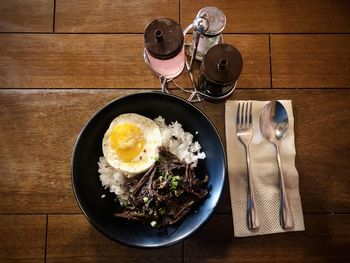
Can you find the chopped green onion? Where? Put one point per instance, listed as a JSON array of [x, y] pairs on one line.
[[153, 223], [162, 211], [174, 184], [175, 178], [145, 199], [161, 178]]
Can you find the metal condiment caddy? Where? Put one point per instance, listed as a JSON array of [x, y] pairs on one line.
[[220, 64]]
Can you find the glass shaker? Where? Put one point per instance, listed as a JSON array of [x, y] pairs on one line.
[[164, 48], [219, 71], [216, 20]]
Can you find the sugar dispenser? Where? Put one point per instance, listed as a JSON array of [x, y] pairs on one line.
[[207, 28]]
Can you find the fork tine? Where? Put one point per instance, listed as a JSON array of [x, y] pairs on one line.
[[250, 114], [242, 115], [237, 115], [246, 120]]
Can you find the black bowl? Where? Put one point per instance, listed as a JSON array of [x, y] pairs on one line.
[[88, 189]]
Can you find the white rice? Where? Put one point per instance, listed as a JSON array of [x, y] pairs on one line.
[[174, 137], [112, 179], [180, 142]]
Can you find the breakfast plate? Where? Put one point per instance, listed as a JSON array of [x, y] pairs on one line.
[[99, 205]]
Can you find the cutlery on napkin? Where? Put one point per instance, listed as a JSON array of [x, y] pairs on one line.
[[264, 171]]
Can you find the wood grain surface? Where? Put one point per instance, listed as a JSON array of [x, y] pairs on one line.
[[74, 61], [71, 237], [274, 16], [108, 16], [255, 53], [326, 239], [62, 60], [46, 124], [26, 16], [22, 238], [107, 61], [104, 61], [304, 61]]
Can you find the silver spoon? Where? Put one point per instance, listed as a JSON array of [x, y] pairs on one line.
[[274, 126]]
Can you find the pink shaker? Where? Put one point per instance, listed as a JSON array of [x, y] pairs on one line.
[[164, 48]]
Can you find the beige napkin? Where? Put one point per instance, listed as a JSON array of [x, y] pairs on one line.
[[264, 173]]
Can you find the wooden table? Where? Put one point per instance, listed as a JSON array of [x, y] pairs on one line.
[[60, 61]]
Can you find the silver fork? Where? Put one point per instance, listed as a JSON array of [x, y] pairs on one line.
[[244, 131]]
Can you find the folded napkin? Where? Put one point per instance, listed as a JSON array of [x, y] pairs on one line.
[[264, 174]]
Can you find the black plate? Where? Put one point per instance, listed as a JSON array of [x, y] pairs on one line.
[[88, 189]]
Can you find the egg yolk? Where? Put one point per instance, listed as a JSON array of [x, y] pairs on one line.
[[127, 140]]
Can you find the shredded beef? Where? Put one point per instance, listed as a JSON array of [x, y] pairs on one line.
[[165, 193]]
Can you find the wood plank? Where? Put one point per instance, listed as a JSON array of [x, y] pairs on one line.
[[111, 16], [321, 160], [326, 240], [72, 238], [275, 16], [45, 130], [22, 238], [26, 16], [103, 61], [74, 61], [256, 61], [45, 123], [310, 61]]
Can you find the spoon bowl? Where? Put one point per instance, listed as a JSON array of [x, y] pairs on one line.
[[274, 122]]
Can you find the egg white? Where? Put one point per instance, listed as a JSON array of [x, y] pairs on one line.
[[148, 155]]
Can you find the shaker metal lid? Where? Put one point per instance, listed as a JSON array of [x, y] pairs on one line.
[[216, 19], [163, 38], [222, 64]]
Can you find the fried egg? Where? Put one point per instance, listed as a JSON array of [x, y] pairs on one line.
[[131, 143]]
